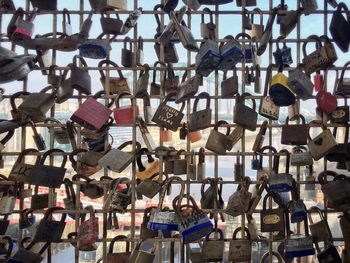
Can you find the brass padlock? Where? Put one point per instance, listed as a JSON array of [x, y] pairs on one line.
[[257, 29], [272, 219]]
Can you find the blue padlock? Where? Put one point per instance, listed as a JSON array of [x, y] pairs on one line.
[[247, 47], [208, 58], [95, 48], [231, 53]]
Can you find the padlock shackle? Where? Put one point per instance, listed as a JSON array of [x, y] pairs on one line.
[[125, 144], [75, 152], [239, 229], [139, 163], [215, 230], [299, 116], [144, 70], [15, 96], [49, 212], [118, 239], [222, 122], [165, 187], [8, 240], [202, 95], [209, 12], [123, 94], [315, 123], [274, 253], [177, 204], [287, 154], [66, 16], [346, 65], [308, 40], [322, 177], [109, 62], [155, 72], [241, 98], [99, 95], [25, 152], [49, 152], [257, 11], [125, 41], [275, 197], [173, 95]]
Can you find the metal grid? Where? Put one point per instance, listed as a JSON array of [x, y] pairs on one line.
[[244, 150]]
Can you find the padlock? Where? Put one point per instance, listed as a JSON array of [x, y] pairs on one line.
[[183, 131], [37, 137], [280, 92], [247, 2], [341, 113], [238, 169], [245, 116], [157, 88], [272, 219], [61, 133], [121, 257], [201, 164], [322, 143], [330, 50], [185, 34], [161, 219], [188, 88], [326, 102], [124, 114], [262, 171], [109, 4], [48, 175], [127, 53], [167, 116], [231, 53], [118, 198], [257, 29], [21, 169], [117, 160], [282, 182], [37, 104], [208, 58], [283, 56], [289, 21], [248, 76], [111, 25], [91, 114], [337, 191], [23, 28], [180, 164], [300, 156], [236, 135], [213, 248], [320, 230], [240, 250], [168, 33], [142, 82], [246, 21], [259, 140], [66, 24], [339, 27], [343, 84], [298, 245], [113, 85], [318, 81], [142, 256], [200, 120], [145, 172], [239, 201], [79, 77], [53, 79], [212, 196], [149, 187], [247, 47], [257, 79], [145, 232], [318, 59], [294, 134], [48, 229], [44, 60], [300, 83], [229, 86], [139, 51], [257, 197], [97, 48], [255, 164], [267, 107], [208, 30], [170, 52], [218, 142], [188, 222]]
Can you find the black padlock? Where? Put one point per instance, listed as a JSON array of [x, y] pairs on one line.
[[127, 54]]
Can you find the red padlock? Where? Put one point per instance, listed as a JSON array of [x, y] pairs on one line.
[[124, 114], [318, 81], [92, 114], [166, 135], [195, 136], [326, 102]]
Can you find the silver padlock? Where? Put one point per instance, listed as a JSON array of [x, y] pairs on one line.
[[208, 30], [208, 58]]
